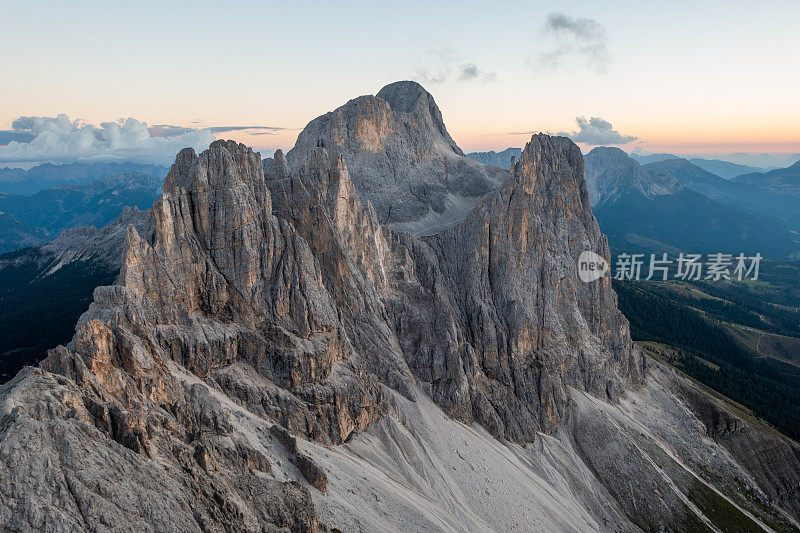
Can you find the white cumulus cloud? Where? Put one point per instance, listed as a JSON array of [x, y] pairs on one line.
[[59, 140], [596, 132]]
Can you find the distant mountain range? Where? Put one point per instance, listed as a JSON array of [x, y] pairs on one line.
[[730, 167], [723, 169], [28, 220], [673, 206], [46, 176], [650, 158], [16, 234], [498, 159], [784, 181], [612, 175], [776, 204]]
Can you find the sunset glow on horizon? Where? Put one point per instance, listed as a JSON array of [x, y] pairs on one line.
[[729, 84]]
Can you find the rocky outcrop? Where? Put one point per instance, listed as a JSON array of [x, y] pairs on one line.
[[218, 281], [103, 245], [772, 459], [401, 158], [222, 280]]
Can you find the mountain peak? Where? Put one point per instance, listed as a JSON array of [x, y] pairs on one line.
[[254, 310], [611, 174], [403, 96], [220, 154], [401, 158], [611, 153]]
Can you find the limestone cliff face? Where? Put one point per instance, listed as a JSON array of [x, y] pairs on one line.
[[494, 318], [221, 280], [400, 158], [489, 315]]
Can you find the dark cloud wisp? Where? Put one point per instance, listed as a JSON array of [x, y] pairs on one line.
[[575, 37], [169, 130], [7, 136], [470, 71], [444, 64]]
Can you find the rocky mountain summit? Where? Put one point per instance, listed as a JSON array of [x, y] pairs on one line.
[[274, 357], [401, 158]]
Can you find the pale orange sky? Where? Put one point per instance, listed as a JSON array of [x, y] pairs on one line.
[[681, 77]]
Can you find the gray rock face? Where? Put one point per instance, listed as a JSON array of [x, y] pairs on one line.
[[266, 331], [400, 158], [492, 315], [610, 174]]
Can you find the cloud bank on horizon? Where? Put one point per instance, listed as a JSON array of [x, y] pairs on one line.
[[61, 140]]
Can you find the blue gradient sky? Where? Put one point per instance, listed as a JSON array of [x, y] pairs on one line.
[[720, 77]]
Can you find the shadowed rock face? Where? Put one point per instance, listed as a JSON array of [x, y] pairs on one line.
[[493, 317], [221, 280], [400, 158]]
